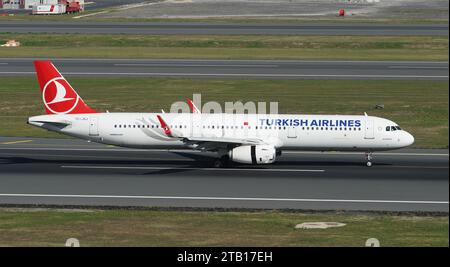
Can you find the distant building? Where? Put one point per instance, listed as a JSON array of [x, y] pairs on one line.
[[28, 4]]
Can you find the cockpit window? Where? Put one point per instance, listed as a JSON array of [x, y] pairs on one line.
[[393, 128]]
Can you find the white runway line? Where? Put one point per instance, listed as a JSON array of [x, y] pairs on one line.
[[362, 153], [233, 198], [192, 65], [94, 157], [183, 168], [91, 14], [412, 67]]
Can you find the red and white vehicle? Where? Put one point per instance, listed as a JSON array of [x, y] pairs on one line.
[[243, 138], [49, 9]]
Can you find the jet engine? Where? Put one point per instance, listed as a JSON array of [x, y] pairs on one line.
[[258, 154]]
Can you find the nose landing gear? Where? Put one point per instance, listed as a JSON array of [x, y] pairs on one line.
[[369, 159]]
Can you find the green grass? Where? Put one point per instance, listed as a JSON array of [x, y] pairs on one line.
[[412, 19], [47, 227], [420, 107], [228, 47]]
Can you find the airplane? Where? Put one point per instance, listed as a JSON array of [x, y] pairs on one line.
[[240, 138]]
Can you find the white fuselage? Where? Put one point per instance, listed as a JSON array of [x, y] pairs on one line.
[[283, 131]]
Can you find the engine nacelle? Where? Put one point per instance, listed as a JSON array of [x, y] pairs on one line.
[[259, 154]]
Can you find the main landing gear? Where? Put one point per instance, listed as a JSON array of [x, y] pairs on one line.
[[369, 159], [222, 162]]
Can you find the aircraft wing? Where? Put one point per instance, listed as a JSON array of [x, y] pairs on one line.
[[208, 143], [216, 143]]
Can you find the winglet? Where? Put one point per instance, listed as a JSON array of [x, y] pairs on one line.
[[193, 107], [165, 127]]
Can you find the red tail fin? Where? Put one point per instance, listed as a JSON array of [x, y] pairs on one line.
[[58, 96]]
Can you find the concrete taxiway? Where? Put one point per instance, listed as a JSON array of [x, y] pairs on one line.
[[269, 69], [75, 172], [222, 28]]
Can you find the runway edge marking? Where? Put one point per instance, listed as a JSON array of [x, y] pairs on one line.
[[232, 198]]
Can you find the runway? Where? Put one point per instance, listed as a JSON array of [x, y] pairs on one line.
[[161, 28], [74, 172], [260, 69]]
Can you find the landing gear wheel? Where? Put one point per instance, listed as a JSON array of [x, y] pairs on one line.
[[218, 163], [222, 162], [369, 158]]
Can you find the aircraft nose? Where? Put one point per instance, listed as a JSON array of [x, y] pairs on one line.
[[409, 139]]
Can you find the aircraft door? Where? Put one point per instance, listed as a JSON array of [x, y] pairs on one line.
[[93, 126], [196, 125], [369, 131], [292, 132]]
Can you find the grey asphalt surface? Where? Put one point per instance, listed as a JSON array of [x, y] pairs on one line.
[[74, 172], [270, 69], [222, 28]]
